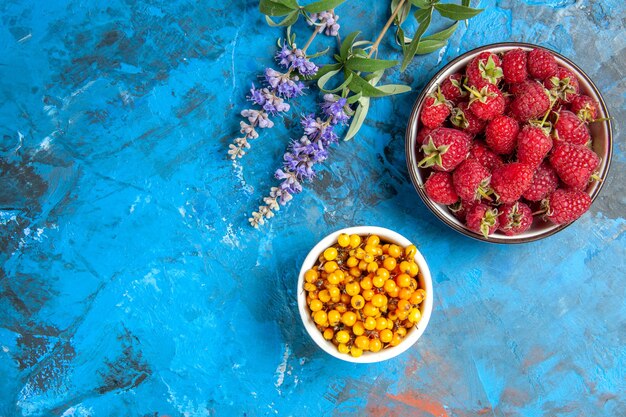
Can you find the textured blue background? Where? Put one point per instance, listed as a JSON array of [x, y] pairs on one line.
[[131, 284]]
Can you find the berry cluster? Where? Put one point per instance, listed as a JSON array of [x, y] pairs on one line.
[[507, 139], [363, 294]]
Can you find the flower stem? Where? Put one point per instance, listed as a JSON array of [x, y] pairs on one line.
[[385, 28], [308, 43]]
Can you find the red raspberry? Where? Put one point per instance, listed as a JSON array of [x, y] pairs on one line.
[[563, 85], [515, 218], [501, 135], [510, 181], [514, 66], [585, 108], [435, 110], [545, 181], [541, 64], [487, 103], [471, 180], [533, 144], [485, 68], [446, 148], [569, 128], [422, 135], [463, 118], [480, 218], [485, 156], [460, 209], [574, 164], [531, 100], [565, 206], [439, 188], [452, 88]]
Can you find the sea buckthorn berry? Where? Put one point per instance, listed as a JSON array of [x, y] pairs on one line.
[[414, 315], [375, 345], [389, 263], [328, 334], [403, 280], [358, 328], [348, 318], [355, 351], [394, 293], [320, 317], [352, 262], [362, 342], [379, 251], [378, 281], [370, 310], [381, 323], [392, 316], [372, 267], [330, 254], [386, 248], [355, 272], [342, 336], [383, 272], [353, 288], [345, 298], [422, 292], [311, 275], [368, 258], [410, 251], [373, 240], [416, 298], [413, 269], [324, 296], [394, 251], [334, 291], [340, 274], [363, 266], [385, 335], [331, 266], [379, 300], [405, 293], [355, 241], [334, 317], [310, 287], [367, 294], [357, 302], [369, 323], [343, 348], [366, 283], [390, 324], [413, 285], [341, 307], [343, 240], [316, 305], [395, 340], [404, 306], [401, 331], [390, 286], [360, 253], [370, 249], [402, 314], [314, 295], [405, 267], [333, 279]]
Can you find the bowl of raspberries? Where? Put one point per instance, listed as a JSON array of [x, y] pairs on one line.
[[509, 143]]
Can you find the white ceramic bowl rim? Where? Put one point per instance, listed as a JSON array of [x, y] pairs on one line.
[[425, 282]]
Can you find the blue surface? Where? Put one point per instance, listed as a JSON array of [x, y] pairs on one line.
[[131, 283]]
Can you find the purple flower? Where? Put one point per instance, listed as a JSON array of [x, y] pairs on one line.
[[333, 107], [304, 66], [295, 59], [327, 22], [289, 181], [258, 118], [283, 84], [256, 96]]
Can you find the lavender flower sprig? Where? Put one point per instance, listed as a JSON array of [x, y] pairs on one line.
[[302, 155]]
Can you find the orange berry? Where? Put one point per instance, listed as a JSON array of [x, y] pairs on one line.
[[389, 263], [403, 280], [395, 251], [386, 335], [311, 275]]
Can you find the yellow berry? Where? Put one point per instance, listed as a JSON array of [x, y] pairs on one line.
[[333, 317], [357, 302], [375, 345], [324, 296], [381, 323], [402, 331], [404, 306], [385, 335], [342, 336], [394, 251], [353, 288], [358, 328], [363, 265], [316, 305], [413, 269], [403, 280], [373, 240], [343, 240], [320, 317], [333, 279], [378, 281], [383, 272], [334, 292], [359, 253], [343, 348], [389, 263], [416, 298], [395, 340], [352, 262], [413, 285], [405, 267], [355, 351], [331, 266], [311, 275], [355, 241], [366, 283], [362, 342], [348, 318], [328, 333], [355, 272], [367, 294], [369, 323], [405, 293], [414, 315], [372, 267], [390, 324], [379, 300], [410, 251], [370, 310], [345, 298], [330, 254], [310, 287]]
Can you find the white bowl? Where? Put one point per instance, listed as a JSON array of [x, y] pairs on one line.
[[424, 279]]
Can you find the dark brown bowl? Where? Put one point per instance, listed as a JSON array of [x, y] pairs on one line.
[[601, 133]]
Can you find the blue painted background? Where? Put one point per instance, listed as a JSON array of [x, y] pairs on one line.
[[131, 283]]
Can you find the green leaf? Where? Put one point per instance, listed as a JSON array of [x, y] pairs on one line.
[[346, 45], [403, 13], [339, 88], [321, 82], [443, 35], [465, 2], [289, 3], [423, 18], [427, 46], [369, 64], [374, 77], [320, 53], [321, 5], [456, 11], [354, 98], [359, 85], [392, 89], [422, 4], [289, 20], [326, 69], [273, 8], [359, 117]]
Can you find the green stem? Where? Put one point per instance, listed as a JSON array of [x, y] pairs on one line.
[[385, 28]]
